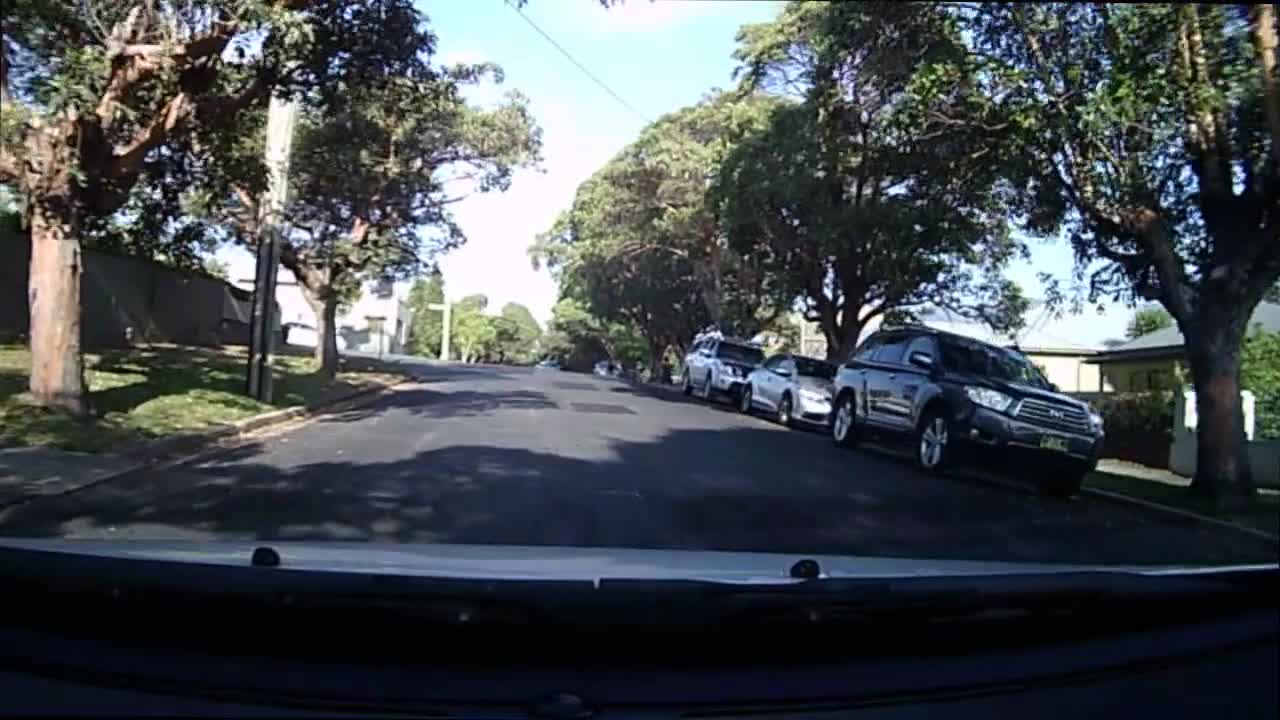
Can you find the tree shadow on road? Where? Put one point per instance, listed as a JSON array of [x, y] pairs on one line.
[[736, 489]]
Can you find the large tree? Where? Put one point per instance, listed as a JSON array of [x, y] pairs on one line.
[[642, 244], [372, 180], [852, 197], [473, 332], [92, 91], [1149, 135], [658, 184], [517, 334]]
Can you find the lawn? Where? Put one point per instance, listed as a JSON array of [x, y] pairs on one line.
[[153, 391], [1264, 515]]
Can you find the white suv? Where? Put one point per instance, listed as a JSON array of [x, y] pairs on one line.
[[718, 366]]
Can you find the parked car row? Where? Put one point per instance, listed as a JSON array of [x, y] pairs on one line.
[[950, 397]]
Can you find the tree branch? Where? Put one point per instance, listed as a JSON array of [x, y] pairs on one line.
[[1265, 42], [127, 159]]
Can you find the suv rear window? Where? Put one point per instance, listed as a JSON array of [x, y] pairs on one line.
[[740, 353], [990, 361], [815, 368]]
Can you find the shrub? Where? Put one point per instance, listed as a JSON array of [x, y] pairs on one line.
[[1260, 373], [1137, 412]]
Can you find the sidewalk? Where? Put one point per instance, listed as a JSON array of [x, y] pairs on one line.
[[27, 472]]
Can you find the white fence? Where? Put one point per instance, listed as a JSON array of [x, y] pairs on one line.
[[1264, 455]]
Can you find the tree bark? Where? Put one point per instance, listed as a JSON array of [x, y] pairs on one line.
[[656, 352], [53, 298], [1213, 352], [325, 306]]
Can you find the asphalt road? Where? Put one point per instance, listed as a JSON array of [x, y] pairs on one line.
[[507, 455]]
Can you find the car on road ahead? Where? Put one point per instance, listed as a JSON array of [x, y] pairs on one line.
[[719, 366], [549, 364], [950, 393], [793, 387]]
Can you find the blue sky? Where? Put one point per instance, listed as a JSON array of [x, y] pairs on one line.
[[659, 56]]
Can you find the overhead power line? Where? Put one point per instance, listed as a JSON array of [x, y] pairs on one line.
[[603, 85]]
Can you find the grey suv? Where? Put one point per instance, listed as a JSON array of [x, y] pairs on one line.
[[719, 366], [948, 393]]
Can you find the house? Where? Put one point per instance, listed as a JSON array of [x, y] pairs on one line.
[[1156, 361], [377, 321]]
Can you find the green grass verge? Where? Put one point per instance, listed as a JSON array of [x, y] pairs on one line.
[[1264, 515], [154, 391]]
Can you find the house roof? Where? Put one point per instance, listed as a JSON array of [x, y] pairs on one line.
[[1041, 332], [1167, 342]]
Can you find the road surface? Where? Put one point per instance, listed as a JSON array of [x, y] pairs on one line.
[[521, 456]]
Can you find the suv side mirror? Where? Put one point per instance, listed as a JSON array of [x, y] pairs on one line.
[[921, 359], [782, 372]]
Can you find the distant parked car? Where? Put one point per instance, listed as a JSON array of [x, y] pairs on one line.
[[549, 364], [947, 392], [606, 368], [793, 387], [719, 366]]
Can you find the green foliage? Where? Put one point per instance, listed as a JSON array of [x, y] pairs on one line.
[[1148, 320], [856, 196], [641, 245], [516, 335], [1141, 138], [581, 339], [473, 333], [1260, 373], [426, 324]]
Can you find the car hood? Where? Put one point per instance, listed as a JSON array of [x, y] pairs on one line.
[[1024, 391], [815, 384], [522, 562]]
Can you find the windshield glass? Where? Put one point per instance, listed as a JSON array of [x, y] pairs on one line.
[[740, 353], [498, 273], [815, 368], [992, 362]]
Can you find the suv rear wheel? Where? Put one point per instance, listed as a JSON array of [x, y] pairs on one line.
[[686, 384], [844, 430], [744, 399], [933, 441]]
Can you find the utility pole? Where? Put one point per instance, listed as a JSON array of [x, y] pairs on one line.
[[281, 116], [444, 307]]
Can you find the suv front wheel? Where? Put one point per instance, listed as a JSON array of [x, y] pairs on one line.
[[933, 441]]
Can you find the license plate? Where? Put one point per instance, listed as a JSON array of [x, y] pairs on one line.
[[1053, 442]]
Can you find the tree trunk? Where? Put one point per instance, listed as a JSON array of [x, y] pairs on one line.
[[1222, 467], [53, 296], [325, 307], [656, 352]]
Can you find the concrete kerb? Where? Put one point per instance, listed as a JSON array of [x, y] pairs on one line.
[[170, 451], [1123, 499]]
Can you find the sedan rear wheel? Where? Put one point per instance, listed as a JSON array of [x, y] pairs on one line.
[[784, 411], [744, 400]]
